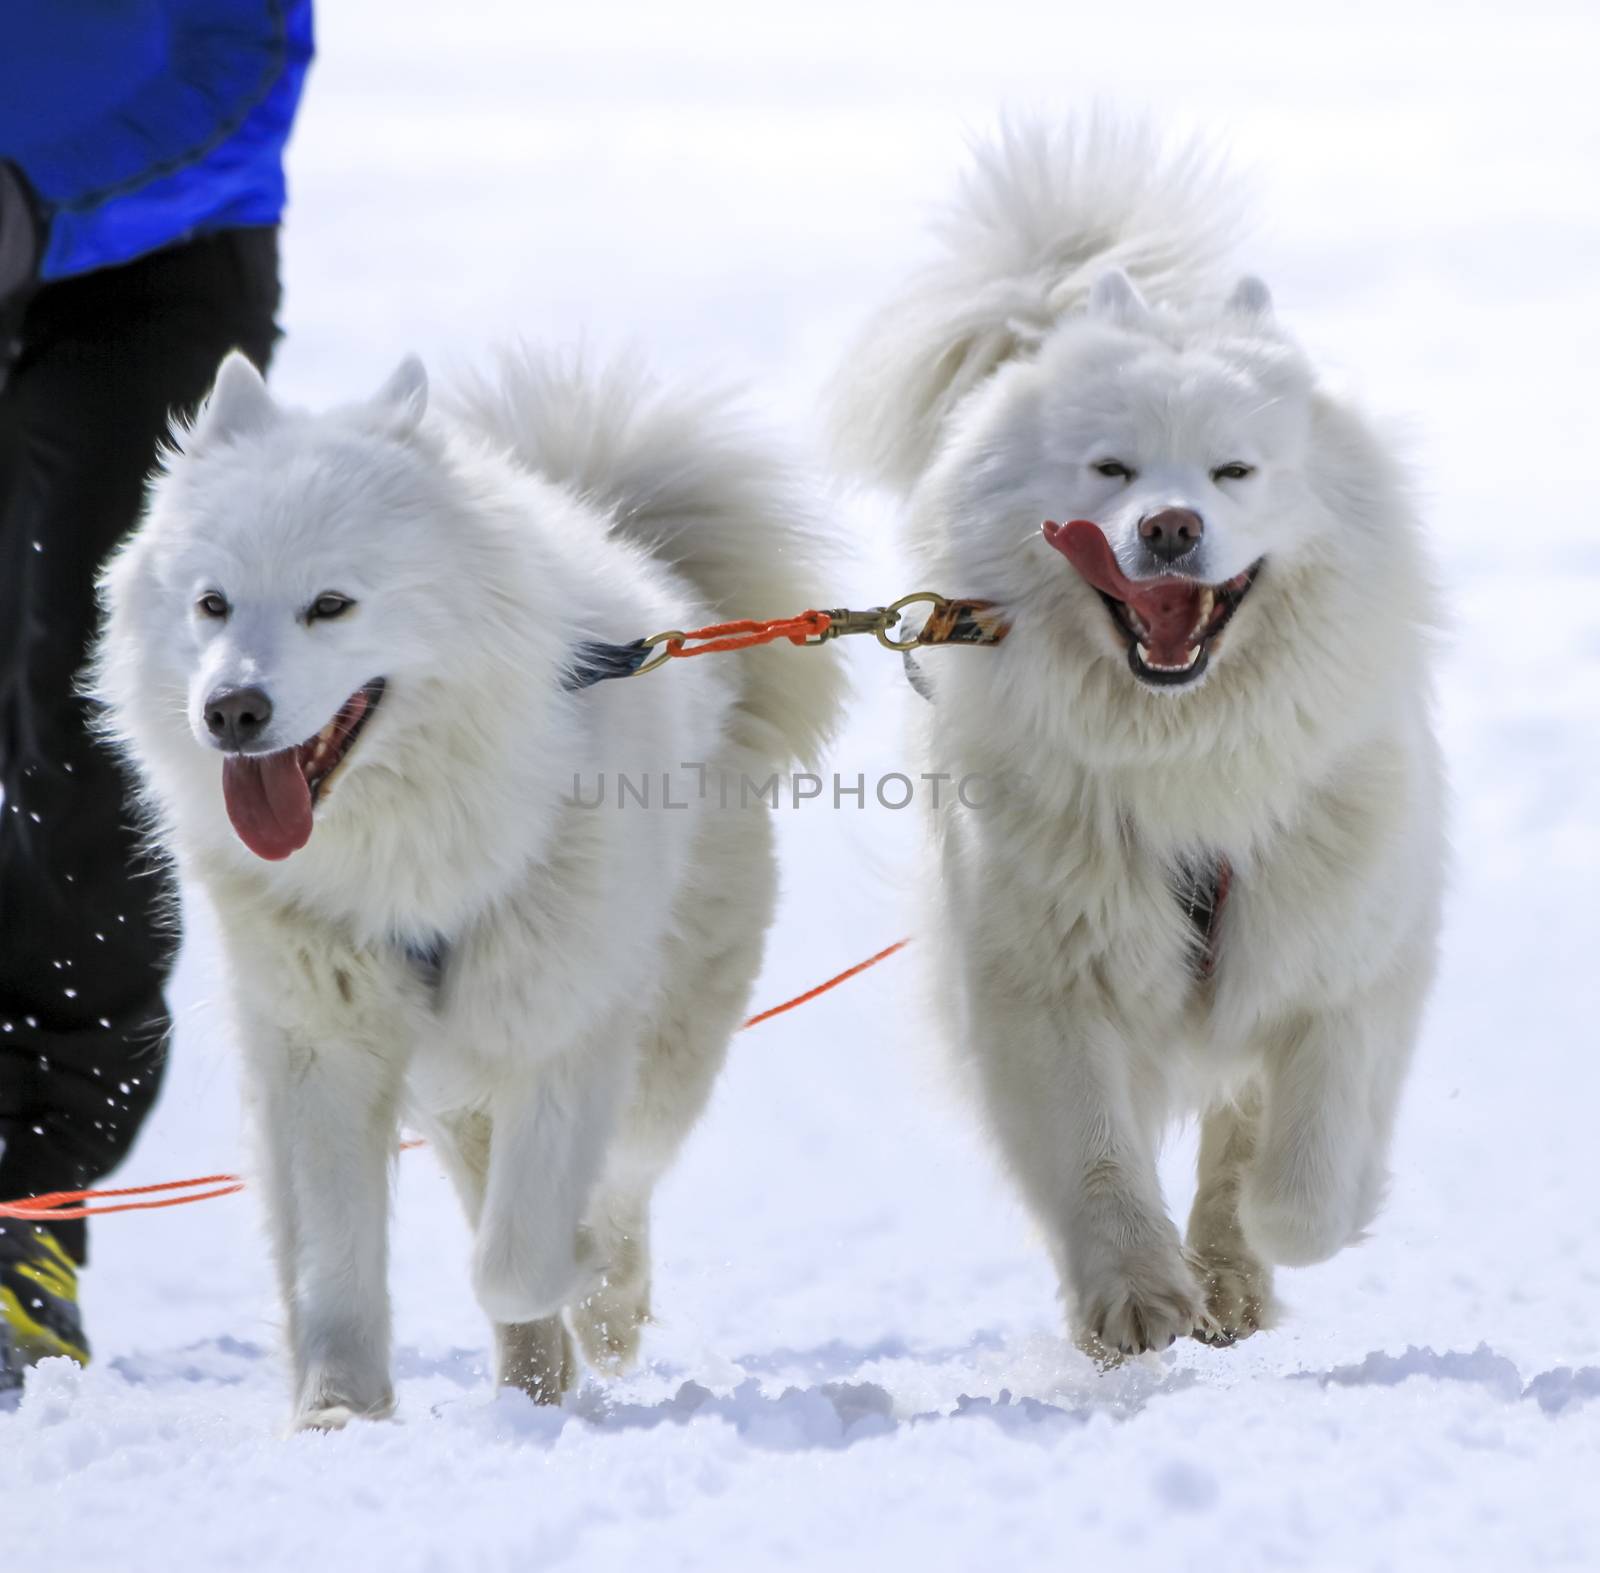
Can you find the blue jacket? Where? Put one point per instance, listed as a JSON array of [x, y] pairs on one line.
[[139, 123]]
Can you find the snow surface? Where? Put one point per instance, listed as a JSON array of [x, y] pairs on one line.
[[859, 1361]]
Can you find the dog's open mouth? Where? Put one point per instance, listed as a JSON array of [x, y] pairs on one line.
[[270, 797], [1171, 623]]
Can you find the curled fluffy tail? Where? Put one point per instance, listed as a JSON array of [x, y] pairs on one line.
[[1043, 211], [684, 475]]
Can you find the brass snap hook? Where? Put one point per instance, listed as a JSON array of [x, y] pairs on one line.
[[842, 621]]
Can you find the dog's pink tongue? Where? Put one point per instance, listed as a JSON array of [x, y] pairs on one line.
[[268, 801], [1168, 607]]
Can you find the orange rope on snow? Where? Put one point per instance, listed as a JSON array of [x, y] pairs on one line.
[[69, 1204], [822, 988]]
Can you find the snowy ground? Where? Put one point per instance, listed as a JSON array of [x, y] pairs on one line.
[[859, 1361]]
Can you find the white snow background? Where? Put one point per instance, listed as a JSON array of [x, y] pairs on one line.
[[859, 1361]]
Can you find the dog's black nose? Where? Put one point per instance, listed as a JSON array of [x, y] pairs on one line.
[[1170, 532], [236, 717]]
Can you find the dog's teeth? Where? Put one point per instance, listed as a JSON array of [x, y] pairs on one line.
[[1163, 666], [1208, 603]]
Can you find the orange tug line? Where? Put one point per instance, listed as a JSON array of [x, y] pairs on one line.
[[59, 1204], [747, 633]]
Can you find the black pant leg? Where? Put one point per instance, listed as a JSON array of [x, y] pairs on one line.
[[88, 921]]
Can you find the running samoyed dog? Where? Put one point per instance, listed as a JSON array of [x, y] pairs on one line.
[[1212, 880], [344, 652]]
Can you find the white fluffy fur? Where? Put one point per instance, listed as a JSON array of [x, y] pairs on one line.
[[1077, 313], [598, 959]]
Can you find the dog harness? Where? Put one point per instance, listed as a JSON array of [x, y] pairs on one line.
[[1202, 891]]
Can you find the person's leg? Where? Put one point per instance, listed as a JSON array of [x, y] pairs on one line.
[[87, 926]]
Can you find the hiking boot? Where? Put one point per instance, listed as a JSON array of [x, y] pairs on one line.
[[39, 1315]]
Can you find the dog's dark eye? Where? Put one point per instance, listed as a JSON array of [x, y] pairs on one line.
[[1232, 472], [1115, 469], [211, 605], [329, 605]]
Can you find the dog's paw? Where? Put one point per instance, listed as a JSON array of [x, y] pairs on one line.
[[609, 1323], [1149, 1301], [328, 1407], [330, 1417], [536, 1357], [1238, 1296], [520, 1279]]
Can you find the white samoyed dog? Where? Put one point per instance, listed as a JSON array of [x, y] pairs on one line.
[[344, 653], [1211, 882]]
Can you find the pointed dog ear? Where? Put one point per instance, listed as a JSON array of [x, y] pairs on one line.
[[1250, 297], [237, 406], [1115, 295], [403, 399]]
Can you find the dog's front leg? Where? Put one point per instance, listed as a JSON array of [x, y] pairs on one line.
[[551, 1127], [1063, 1101], [1331, 1085], [537, 1357], [328, 1116]]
